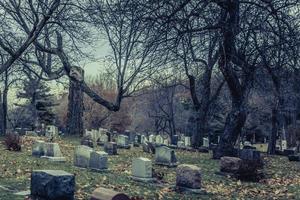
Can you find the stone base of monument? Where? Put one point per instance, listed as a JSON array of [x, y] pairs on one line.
[[124, 146], [190, 190], [99, 170], [167, 164], [146, 180], [55, 159], [294, 158], [203, 150]]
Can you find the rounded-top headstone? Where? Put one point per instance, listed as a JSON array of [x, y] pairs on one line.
[[107, 194], [188, 176]]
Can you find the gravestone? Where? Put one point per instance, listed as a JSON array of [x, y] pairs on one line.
[[52, 152], [230, 164], [144, 139], [174, 140], [87, 141], [131, 137], [38, 148], [52, 185], [187, 141], [111, 148], [108, 194], [82, 156], [206, 142], [159, 139], [294, 157], [290, 151], [148, 147], [142, 169], [104, 138], [180, 144], [166, 142], [283, 145], [152, 138], [188, 177], [98, 160], [123, 141], [165, 156], [51, 131], [138, 139]]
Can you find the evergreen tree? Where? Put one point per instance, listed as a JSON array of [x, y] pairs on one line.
[[39, 102]]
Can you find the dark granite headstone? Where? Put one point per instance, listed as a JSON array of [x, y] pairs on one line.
[[52, 185]]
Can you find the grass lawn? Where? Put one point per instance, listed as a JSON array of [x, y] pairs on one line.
[[282, 178]]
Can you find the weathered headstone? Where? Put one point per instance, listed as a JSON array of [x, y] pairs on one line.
[[152, 138], [174, 140], [283, 145], [38, 148], [131, 137], [52, 185], [159, 139], [51, 131], [294, 158], [82, 156], [166, 142], [230, 164], [180, 144], [138, 139], [188, 177], [148, 147], [142, 169], [123, 141], [165, 156], [111, 148], [87, 141], [52, 152], [187, 141], [290, 151], [98, 160], [104, 138], [107, 194], [206, 142]]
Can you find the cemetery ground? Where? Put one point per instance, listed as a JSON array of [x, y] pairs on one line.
[[281, 177]]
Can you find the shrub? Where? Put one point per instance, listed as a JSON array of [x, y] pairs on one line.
[[12, 142]]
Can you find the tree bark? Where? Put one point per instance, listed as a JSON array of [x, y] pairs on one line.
[[233, 126], [75, 105], [273, 133]]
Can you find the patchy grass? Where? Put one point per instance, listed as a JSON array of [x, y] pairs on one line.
[[282, 179]]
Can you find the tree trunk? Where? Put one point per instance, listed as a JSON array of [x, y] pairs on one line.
[[273, 133], [233, 126], [1, 115], [197, 139], [4, 110], [75, 104]]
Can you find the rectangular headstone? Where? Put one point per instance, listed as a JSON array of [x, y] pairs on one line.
[[165, 156], [52, 185], [98, 160], [82, 156], [159, 139], [111, 148], [38, 148], [142, 168], [206, 142], [123, 141], [187, 141]]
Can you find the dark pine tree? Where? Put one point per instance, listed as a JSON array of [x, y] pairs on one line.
[[39, 102]]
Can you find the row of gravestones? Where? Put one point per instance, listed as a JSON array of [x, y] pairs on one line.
[[58, 184], [51, 184]]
